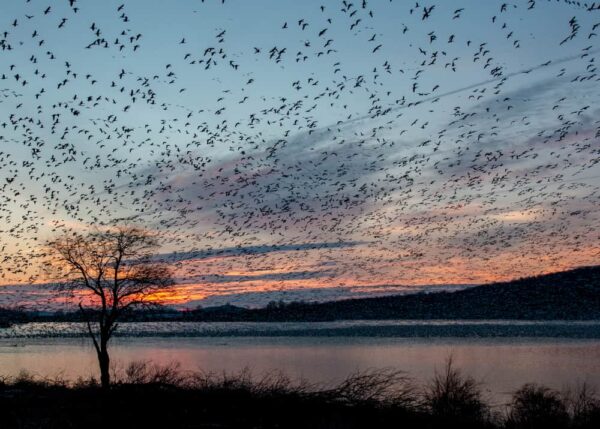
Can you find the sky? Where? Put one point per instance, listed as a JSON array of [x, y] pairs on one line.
[[303, 150]]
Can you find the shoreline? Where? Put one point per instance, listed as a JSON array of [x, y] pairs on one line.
[[344, 329]]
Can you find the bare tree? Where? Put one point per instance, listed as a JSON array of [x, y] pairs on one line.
[[117, 268]]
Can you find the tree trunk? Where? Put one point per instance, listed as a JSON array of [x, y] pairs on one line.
[[104, 361]]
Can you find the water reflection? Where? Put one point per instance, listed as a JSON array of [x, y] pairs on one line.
[[502, 364]]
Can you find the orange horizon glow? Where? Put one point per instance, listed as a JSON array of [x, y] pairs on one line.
[[190, 287]]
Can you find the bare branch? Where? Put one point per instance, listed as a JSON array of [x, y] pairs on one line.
[[115, 266]]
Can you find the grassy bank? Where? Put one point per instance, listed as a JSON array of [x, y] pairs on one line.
[[149, 396]]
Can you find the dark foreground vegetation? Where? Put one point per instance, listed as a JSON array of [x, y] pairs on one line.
[[148, 396]]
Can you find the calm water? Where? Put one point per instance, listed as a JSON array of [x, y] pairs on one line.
[[502, 362]]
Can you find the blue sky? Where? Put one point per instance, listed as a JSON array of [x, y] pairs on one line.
[[458, 148]]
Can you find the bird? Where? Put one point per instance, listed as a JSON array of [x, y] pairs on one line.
[[441, 153]]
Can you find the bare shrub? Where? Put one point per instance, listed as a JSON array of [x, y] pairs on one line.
[[382, 386], [269, 384], [277, 383], [85, 383], [583, 405], [453, 396], [146, 372], [241, 380], [24, 378], [535, 406]]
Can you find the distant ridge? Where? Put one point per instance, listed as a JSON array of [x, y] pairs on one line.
[[568, 295]]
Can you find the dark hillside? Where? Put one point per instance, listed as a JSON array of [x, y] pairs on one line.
[[573, 294]]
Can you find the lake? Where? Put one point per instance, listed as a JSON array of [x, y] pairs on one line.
[[503, 355]]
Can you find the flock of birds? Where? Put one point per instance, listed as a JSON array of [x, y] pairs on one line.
[[418, 136]]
